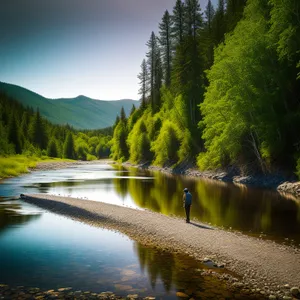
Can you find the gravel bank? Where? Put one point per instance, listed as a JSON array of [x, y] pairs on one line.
[[264, 266], [56, 165]]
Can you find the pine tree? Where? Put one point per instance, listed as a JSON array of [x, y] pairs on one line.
[[116, 122], [234, 12], [193, 18], [13, 134], [158, 78], [69, 148], [123, 115], [166, 46], [219, 24], [209, 16], [133, 109], [154, 66], [178, 22], [187, 75], [38, 131], [52, 148], [207, 40], [144, 86]]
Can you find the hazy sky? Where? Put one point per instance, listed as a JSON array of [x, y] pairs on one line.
[[66, 48]]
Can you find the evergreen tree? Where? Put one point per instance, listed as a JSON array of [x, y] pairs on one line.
[[13, 134], [234, 12], [166, 46], [207, 37], [158, 78], [187, 75], [38, 131], [178, 22], [123, 115], [116, 122], [144, 84], [133, 109], [69, 148], [209, 16], [219, 23], [52, 148], [193, 18], [154, 66]]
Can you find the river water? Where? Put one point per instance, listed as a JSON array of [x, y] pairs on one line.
[[41, 249]]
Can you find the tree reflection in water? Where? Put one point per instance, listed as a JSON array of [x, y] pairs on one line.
[[249, 210], [11, 214], [179, 273]]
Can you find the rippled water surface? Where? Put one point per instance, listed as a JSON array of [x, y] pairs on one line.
[[41, 249]]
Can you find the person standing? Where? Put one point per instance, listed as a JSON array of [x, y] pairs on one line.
[[187, 202]]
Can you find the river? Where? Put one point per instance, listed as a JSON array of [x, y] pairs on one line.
[[41, 249]]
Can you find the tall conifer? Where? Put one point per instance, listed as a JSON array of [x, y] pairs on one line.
[[166, 46]]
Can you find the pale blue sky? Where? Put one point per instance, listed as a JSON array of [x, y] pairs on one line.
[[66, 48]]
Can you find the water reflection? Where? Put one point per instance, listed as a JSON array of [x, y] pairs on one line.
[[178, 273], [12, 214], [55, 252], [253, 211], [250, 210]]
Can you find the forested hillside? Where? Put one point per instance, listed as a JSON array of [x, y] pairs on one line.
[[24, 131], [220, 88], [80, 112]]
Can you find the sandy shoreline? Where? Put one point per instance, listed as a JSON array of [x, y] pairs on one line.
[[264, 266]]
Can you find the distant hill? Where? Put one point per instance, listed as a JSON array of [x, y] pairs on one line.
[[80, 112]]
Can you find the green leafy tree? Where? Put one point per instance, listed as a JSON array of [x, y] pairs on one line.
[[119, 146], [139, 143], [242, 107]]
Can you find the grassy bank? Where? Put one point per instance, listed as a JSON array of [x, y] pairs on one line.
[[17, 164]]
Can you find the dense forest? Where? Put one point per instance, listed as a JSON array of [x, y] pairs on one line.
[[24, 131], [219, 88]]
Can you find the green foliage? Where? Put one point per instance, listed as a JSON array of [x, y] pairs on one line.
[[139, 143], [241, 109], [69, 149], [298, 168], [90, 157], [119, 146], [166, 146], [22, 130], [52, 148], [38, 132], [240, 66], [15, 165], [103, 148], [13, 134]]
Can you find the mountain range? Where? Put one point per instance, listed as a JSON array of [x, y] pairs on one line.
[[81, 112]]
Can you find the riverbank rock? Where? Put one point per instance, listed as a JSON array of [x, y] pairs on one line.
[[290, 187], [295, 292]]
